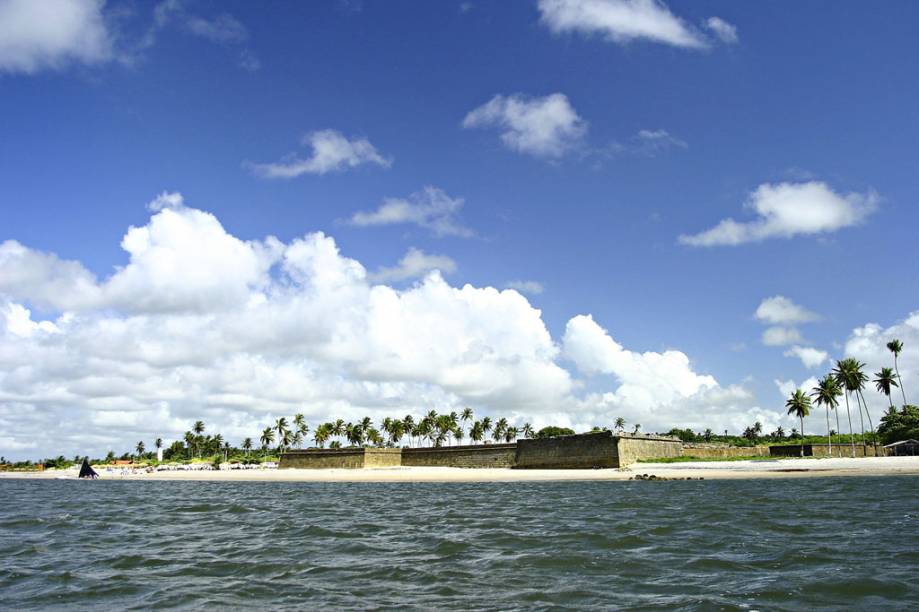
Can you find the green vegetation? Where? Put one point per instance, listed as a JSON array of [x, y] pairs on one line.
[[551, 432], [690, 459]]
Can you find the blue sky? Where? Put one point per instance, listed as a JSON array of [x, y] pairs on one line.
[[671, 136]]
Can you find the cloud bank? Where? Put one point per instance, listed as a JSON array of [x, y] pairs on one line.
[[203, 324]]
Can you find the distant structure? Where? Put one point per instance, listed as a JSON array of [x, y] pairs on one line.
[[903, 448], [603, 449]]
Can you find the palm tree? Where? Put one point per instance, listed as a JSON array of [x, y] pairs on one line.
[[842, 374], [190, 443], [486, 427], [408, 426], [896, 347], [458, 435], [158, 443], [140, 449], [637, 429], [226, 451], [825, 394], [466, 415], [860, 380], [217, 441], [476, 433], [510, 435], [281, 427], [247, 445], [799, 404], [266, 439], [528, 431], [884, 380], [620, 424], [198, 428]]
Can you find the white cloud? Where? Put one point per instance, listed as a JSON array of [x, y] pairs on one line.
[[787, 387], [786, 210], [868, 344], [526, 286], [201, 324], [332, 152], [620, 21], [415, 264], [51, 34], [781, 336], [725, 32], [652, 142], [430, 208], [545, 127], [779, 310], [810, 357]]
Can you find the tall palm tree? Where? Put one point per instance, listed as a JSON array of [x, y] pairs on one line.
[[190, 443], [198, 427], [247, 445], [884, 380], [799, 404], [158, 443], [266, 439], [528, 431], [620, 424], [843, 373], [861, 380], [825, 394], [226, 451], [896, 347], [466, 415], [486, 427], [408, 425], [140, 449], [281, 427], [637, 428], [476, 433]]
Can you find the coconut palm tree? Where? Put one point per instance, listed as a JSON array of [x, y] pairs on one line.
[[861, 380], [226, 451], [486, 427], [140, 449], [620, 424], [198, 427], [266, 439], [825, 394], [799, 404], [158, 443], [247, 445], [884, 380], [458, 435], [843, 373], [466, 415], [511, 434], [896, 347], [528, 431], [408, 426], [476, 433], [637, 429]]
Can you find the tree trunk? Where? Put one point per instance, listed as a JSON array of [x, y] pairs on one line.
[[899, 380], [836, 410], [851, 434], [874, 442], [829, 438], [802, 436]]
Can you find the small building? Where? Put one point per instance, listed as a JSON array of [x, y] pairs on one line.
[[903, 448]]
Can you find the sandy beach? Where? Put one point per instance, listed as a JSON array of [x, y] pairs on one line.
[[785, 468]]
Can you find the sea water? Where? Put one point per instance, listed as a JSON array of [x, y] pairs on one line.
[[741, 544]]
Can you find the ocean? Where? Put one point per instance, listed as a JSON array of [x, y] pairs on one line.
[[778, 544]]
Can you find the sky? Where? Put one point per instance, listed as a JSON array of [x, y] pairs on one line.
[[558, 211]]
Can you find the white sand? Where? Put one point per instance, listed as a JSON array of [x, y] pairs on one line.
[[778, 468]]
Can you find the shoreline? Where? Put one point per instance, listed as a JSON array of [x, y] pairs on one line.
[[708, 470]]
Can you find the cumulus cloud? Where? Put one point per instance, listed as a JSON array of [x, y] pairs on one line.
[[781, 336], [526, 286], [431, 208], [779, 310], [332, 152], [620, 21], [415, 264], [652, 142], [725, 32], [787, 210], [52, 34], [545, 127], [868, 344], [809, 356], [202, 324]]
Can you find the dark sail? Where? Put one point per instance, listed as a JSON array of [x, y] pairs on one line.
[[86, 471]]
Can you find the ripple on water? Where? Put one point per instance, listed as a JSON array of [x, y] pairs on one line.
[[782, 544]]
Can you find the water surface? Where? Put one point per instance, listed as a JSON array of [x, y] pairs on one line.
[[740, 544]]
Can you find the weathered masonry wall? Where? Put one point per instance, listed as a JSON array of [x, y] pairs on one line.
[[823, 450], [633, 448], [475, 456], [592, 450], [346, 458], [705, 451]]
